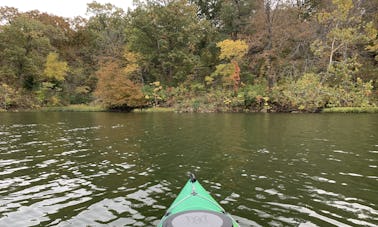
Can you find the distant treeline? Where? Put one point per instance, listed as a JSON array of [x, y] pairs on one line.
[[213, 55]]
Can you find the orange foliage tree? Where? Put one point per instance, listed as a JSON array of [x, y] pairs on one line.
[[115, 89]]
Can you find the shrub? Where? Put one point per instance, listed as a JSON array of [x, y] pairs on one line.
[[305, 94]]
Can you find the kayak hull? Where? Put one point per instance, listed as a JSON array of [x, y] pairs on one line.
[[195, 207]]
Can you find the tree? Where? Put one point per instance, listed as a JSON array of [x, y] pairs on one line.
[[280, 42], [82, 58], [58, 28], [232, 51], [168, 37], [23, 48], [107, 24], [8, 14], [209, 9], [89, 42], [344, 31], [55, 69], [114, 88]]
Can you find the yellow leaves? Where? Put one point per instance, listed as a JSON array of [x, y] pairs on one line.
[[343, 7], [317, 47], [156, 83], [8, 96], [323, 17], [54, 101], [346, 32], [82, 89], [227, 101], [232, 50], [131, 57], [130, 68], [209, 80], [340, 14], [4, 87], [132, 61], [156, 87], [372, 33], [346, 35], [55, 69], [155, 93]]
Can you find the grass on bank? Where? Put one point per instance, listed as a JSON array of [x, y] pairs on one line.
[[75, 108], [351, 110]]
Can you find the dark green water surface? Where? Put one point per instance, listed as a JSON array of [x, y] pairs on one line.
[[117, 169]]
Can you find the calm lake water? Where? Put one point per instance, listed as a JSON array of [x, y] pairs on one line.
[[118, 169]]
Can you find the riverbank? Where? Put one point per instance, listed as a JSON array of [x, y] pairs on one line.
[[99, 108]]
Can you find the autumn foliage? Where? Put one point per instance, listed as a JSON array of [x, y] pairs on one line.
[[55, 69], [218, 55], [234, 51], [115, 90]]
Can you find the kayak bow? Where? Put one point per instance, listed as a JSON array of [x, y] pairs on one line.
[[195, 207]]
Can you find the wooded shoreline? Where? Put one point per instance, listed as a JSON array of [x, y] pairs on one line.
[[194, 56]]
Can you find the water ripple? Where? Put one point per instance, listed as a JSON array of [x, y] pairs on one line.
[[309, 212]]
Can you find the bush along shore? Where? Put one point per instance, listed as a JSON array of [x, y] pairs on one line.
[[247, 100]]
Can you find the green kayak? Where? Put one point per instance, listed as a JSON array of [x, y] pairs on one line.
[[195, 207]]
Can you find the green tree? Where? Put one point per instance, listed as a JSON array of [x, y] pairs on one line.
[[23, 48], [230, 17], [106, 24], [235, 16], [168, 38], [209, 9]]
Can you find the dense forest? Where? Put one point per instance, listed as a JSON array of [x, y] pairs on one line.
[[194, 55]]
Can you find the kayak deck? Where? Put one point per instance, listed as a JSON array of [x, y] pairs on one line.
[[195, 207]]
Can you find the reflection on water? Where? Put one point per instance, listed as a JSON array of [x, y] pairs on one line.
[[93, 169]]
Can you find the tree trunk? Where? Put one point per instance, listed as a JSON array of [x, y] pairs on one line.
[[268, 10], [236, 77]]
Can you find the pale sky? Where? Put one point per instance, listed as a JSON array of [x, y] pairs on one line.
[[64, 8]]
